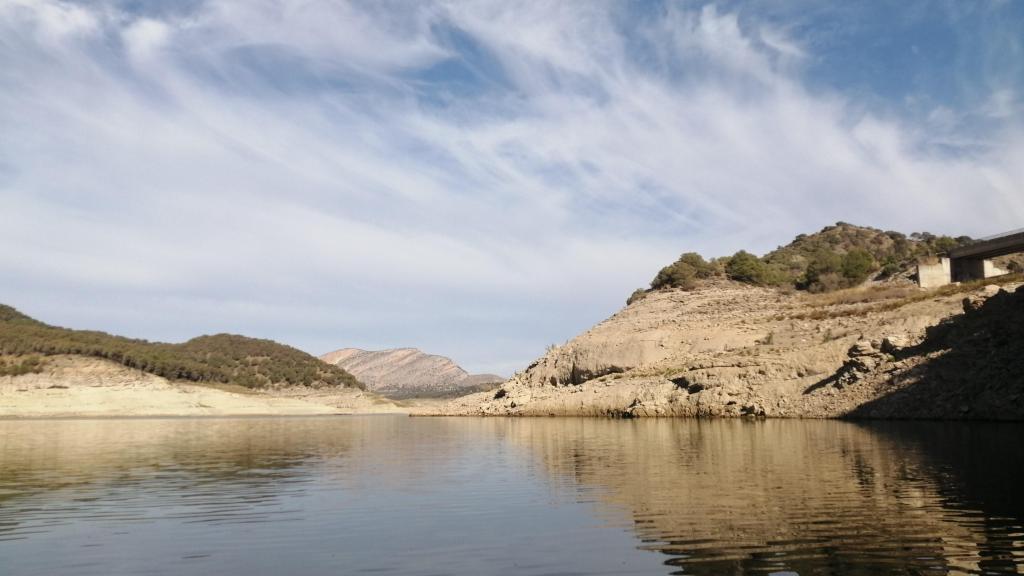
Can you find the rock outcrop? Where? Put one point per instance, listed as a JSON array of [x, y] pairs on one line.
[[969, 366], [409, 372], [729, 349]]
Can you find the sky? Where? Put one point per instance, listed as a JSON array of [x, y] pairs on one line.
[[475, 179]]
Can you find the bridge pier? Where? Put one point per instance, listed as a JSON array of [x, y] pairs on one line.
[[967, 269], [935, 273], [970, 262]]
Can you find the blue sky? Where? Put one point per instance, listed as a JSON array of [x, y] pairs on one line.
[[477, 179]]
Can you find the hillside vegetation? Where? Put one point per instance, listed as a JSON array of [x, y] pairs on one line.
[[223, 358], [837, 257]]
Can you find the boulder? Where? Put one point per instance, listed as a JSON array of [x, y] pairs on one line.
[[972, 303], [892, 344], [864, 363], [753, 409], [862, 348]]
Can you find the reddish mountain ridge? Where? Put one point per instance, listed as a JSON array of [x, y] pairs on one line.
[[409, 372]]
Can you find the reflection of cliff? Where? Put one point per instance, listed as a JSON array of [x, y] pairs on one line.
[[738, 497], [716, 497], [978, 466]]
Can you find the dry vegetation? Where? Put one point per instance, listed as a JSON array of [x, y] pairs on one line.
[[861, 302], [862, 295]]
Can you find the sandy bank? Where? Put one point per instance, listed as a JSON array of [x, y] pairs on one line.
[[75, 386]]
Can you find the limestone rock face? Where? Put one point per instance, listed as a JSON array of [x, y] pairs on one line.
[[894, 343], [732, 350], [409, 372]]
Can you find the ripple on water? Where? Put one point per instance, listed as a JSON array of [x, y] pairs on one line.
[[380, 495]]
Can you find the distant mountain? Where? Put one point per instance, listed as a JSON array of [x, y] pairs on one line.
[[226, 358], [409, 372]]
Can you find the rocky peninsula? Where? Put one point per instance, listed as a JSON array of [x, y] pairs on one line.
[[703, 343]]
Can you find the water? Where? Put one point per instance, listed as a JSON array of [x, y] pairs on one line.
[[394, 495]]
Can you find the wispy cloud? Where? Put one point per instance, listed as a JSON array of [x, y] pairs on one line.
[[478, 179]]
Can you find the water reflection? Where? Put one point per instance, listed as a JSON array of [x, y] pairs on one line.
[[525, 496], [733, 497]]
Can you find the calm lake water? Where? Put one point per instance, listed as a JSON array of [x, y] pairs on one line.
[[395, 495]]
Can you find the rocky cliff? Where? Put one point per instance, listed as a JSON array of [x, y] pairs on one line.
[[970, 365], [408, 372], [730, 349]]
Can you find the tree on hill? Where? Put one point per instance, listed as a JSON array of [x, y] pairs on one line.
[[745, 267], [835, 257], [684, 272], [857, 265], [227, 358]]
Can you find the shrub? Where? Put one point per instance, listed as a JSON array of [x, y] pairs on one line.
[[827, 282], [21, 365], [678, 275], [944, 244], [637, 295], [684, 272], [745, 267], [857, 265], [701, 268], [890, 268], [822, 263]]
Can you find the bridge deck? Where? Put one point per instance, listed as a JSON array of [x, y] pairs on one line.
[[998, 246]]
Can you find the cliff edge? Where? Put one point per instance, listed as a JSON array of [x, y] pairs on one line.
[[731, 349]]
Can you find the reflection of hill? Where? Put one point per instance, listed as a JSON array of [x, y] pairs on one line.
[[735, 497], [224, 469], [716, 497]]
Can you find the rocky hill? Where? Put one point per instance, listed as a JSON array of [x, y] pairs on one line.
[[729, 346], [408, 373], [836, 257]]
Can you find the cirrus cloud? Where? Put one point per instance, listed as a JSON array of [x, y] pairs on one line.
[[476, 179]]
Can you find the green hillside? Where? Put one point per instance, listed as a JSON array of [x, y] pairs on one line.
[[224, 358], [836, 257]]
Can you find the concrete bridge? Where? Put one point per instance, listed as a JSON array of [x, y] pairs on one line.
[[971, 262]]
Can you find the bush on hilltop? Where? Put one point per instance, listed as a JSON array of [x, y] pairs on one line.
[[225, 358], [685, 272], [836, 257]]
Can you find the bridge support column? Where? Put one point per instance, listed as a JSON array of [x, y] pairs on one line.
[[934, 273], [967, 269]]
